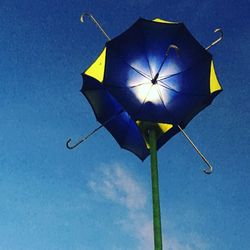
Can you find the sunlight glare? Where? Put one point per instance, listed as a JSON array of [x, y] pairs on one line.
[[147, 93]]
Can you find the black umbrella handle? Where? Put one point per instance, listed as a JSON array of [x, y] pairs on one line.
[[69, 141], [209, 170], [82, 19]]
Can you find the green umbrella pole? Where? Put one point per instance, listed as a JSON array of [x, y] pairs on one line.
[[155, 191]]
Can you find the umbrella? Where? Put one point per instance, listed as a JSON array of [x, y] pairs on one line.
[[113, 117], [158, 74], [146, 85], [117, 121], [151, 81]]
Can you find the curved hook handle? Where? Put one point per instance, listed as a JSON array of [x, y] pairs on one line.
[[208, 170], [92, 132], [75, 145], [217, 40], [171, 46], [177, 51], [82, 19], [82, 139], [175, 47]]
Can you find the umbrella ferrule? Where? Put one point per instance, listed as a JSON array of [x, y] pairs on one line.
[[154, 80]]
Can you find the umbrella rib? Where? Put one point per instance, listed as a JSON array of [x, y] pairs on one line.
[[166, 86], [161, 98], [143, 34], [92, 132], [139, 72], [132, 67], [146, 96], [177, 37], [126, 87], [169, 76], [178, 92], [145, 51], [187, 69]]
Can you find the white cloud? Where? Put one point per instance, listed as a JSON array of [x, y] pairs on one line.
[[140, 226], [192, 242], [116, 184]]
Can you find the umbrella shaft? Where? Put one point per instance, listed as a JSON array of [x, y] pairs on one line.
[[155, 191]]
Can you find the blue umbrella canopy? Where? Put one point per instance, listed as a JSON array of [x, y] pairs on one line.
[[153, 74], [114, 118], [128, 133]]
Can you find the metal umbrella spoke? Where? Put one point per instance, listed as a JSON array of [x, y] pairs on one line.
[[218, 30], [161, 98], [140, 72], [144, 100], [82, 19], [209, 170], [171, 46], [69, 144], [198, 61], [126, 87], [166, 86], [179, 92], [118, 55]]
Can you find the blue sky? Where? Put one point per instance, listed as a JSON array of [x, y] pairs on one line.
[[98, 196]]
